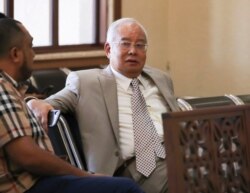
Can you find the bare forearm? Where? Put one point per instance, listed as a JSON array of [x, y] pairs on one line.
[[25, 153], [49, 164]]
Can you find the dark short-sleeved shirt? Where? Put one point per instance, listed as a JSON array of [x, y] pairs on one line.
[[16, 120]]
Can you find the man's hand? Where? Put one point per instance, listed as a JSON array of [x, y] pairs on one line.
[[40, 108]]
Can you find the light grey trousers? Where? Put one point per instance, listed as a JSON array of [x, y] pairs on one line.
[[155, 183]]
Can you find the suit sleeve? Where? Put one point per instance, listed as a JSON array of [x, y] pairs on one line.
[[67, 99]]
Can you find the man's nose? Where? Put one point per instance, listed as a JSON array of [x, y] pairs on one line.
[[132, 49]]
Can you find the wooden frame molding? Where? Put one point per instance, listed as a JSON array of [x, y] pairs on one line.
[[85, 59]]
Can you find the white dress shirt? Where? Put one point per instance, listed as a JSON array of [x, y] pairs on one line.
[[155, 103]]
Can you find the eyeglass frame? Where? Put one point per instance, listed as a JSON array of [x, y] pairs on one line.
[[126, 45]]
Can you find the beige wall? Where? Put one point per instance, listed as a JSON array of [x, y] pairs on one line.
[[203, 44], [153, 17]]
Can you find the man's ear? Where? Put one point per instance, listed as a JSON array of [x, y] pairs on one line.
[[107, 49], [16, 54]]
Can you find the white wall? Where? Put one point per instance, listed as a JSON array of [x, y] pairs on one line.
[[205, 44]]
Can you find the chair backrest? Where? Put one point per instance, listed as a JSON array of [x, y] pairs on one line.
[[192, 103], [208, 150], [203, 102], [49, 81], [64, 144]]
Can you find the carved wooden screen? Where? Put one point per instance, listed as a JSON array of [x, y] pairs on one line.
[[208, 150]]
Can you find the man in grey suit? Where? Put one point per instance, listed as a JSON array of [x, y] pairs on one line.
[[101, 101]]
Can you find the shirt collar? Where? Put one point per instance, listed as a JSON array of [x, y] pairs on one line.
[[21, 87], [9, 79], [124, 81]]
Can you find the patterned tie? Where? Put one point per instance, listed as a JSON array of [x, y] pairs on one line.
[[147, 142]]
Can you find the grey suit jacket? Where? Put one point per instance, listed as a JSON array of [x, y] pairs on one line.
[[92, 96]]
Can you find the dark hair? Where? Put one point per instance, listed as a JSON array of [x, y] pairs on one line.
[[2, 15], [10, 35]]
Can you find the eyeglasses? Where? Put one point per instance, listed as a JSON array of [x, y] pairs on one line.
[[125, 45]]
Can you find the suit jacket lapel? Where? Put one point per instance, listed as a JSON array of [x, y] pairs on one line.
[[162, 85], [109, 90]]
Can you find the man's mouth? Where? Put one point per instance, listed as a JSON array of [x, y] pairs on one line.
[[132, 61]]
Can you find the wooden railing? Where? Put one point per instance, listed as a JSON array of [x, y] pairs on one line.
[[208, 150]]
